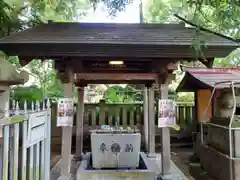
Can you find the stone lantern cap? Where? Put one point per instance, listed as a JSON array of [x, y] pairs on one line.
[[10, 76]]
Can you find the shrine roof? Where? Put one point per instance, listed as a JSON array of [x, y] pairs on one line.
[[165, 37], [88, 33], [205, 78]]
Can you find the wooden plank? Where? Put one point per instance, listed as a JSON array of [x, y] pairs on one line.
[[188, 111], [6, 130], [117, 76], [131, 118], [102, 113], [181, 110], [138, 116], [31, 163], [24, 151], [94, 116], [110, 119], [16, 151], [102, 117], [177, 115], [124, 116]]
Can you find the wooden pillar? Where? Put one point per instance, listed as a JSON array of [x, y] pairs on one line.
[[165, 138], [79, 123], [151, 119], [67, 133], [145, 109]]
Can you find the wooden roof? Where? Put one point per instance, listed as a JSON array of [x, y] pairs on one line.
[[146, 49], [205, 78], [115, 40]]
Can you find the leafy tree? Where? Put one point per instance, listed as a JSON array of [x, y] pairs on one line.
[[32, 93], [19, 15]]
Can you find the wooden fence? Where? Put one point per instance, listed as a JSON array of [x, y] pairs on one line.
[[129, 115], [25, 141]]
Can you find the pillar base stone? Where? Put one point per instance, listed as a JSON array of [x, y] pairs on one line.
[[77, 157], [151, 155], [167, 177], [69, 177]]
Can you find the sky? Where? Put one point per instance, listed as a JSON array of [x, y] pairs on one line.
[[130, 15]]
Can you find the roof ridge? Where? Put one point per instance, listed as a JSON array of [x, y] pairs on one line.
[[215, 68], [130, 25]]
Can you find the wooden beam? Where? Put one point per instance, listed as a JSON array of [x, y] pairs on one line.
[[117, 76], [112, 50], [85, 83]]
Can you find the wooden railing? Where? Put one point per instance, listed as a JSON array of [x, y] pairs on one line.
[[129, 115], [25, 143]]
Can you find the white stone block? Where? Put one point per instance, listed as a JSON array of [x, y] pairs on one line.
[[115, 150]]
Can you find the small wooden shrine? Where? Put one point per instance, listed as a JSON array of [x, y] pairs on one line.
[[201, 81]]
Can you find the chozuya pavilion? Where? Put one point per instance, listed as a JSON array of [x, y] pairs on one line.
[[82, 52]]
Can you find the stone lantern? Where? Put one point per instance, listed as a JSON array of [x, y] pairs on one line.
[[8, 77]]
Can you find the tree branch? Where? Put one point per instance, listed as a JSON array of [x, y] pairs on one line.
[[206, 30]]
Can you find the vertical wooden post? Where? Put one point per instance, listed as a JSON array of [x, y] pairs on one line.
[[67, 132], [165, 138], [4, 98], [145, 111], [79, 129], [151, 119], [102, 114], [24, 148]]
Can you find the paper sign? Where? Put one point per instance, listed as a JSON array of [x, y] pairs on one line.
[[65, 112], [166, 113]]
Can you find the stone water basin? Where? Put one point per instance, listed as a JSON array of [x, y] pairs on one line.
[[115, 149]]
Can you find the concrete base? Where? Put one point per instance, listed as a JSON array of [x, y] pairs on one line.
[[198, 173], [219, 165], [135, 174]]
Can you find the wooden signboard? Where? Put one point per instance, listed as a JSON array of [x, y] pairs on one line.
[[37, 127]]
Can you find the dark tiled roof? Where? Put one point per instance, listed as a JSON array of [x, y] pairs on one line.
[[100, 33], [201, 78]]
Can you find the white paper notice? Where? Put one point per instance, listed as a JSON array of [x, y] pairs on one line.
[[65, 112], [166, 113]]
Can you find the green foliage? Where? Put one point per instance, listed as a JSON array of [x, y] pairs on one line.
[[217, 15], [17, 15], [118, 94], [32, 93], [113, 6]]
